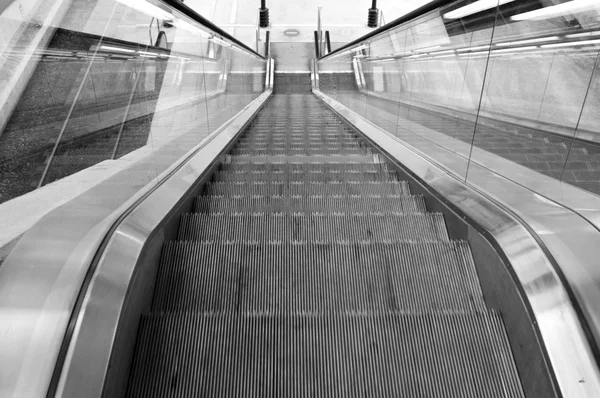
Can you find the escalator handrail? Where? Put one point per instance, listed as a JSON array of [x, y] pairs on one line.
[[182, 8], [399, 21]]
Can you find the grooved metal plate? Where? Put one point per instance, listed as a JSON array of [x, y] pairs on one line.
[[388, 355]]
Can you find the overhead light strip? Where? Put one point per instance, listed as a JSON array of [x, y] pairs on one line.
[[573, 43], [528, 41], [119, 49], [474, 8], [559, 10]]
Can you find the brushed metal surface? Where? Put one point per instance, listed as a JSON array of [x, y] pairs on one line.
[[89, 353], [563, 337]]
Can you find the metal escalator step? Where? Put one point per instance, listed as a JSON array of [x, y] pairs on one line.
[[349, 143], [317, 277], [311, 204], [313, 227], [322, 135], [307, 188], [285, 133], [369, 167], [280, 145], [253, 141], [304, 159], [348, 355], [304, 141], [306, 176], [299, 151]]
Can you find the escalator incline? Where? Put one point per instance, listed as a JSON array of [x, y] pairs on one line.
[[309, 269]]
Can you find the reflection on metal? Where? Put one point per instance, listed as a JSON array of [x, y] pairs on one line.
[[562, 334], [89, 353], [317, 80], [271, 74], [268, 75], [314, 75]]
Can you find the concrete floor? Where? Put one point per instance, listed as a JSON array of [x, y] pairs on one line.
[[345, 19]]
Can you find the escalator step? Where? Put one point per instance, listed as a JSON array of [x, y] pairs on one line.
[[308, 189], [313, 227], [300, 277], [302, 142], [281, 204], [369, 167], [304, 159], [346, 355], [307, 176], [316, 132], [299, 137], [299, 151], [305, 146]]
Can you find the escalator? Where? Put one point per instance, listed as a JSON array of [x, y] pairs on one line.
[[307, 268], [240, 230]]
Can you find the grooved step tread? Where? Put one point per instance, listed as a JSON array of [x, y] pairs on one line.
[[317, 188], [313, 227], [306, 271], [316, 145], [316, 134], [312, 142], [221, 355], [299, 151], [304, 167], [302, 159], [299, 277], [280, 204], [306, 176]]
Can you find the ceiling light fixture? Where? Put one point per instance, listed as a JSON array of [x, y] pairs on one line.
[[559, 10], [474, 8]]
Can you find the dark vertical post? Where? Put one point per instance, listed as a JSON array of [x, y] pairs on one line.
[[268, 44], [317, 52], [328, 41]]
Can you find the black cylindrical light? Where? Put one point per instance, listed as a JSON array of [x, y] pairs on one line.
[[263, 14], [373, 19]]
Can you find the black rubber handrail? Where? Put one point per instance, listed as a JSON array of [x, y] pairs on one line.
[[181, 7], [403, 19]]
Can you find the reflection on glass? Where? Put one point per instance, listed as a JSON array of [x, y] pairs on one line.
[[486, 80], [96, 81]]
